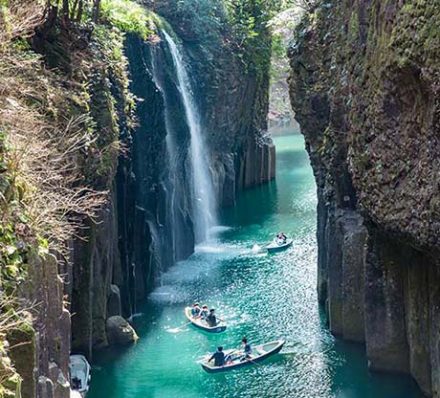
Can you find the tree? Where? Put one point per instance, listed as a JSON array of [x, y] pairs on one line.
[[96, 10]]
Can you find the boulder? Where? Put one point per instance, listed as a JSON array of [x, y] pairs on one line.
[[119, 331]]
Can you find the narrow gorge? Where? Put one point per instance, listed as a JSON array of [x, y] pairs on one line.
[[148, 161]]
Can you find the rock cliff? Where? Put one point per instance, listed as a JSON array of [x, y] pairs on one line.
[[148, 225], [364, 85], [100, 207]]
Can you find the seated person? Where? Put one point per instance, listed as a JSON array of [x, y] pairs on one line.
[[218, 357], [76, 383], [195, 310], [204, 312], [281, 238], [211, 318], [247, 349]]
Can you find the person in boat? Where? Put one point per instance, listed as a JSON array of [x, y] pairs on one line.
[[218, 357], [76, 383], [204, 313], [195, 310], [247, 349], [281, 238], [211, 318]]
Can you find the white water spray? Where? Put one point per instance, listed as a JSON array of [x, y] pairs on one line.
[[205, 202]]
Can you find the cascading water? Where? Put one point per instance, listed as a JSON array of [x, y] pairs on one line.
[[171, 150], [204, 206]]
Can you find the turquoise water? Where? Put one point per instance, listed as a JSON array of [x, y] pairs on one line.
[[263, 297]]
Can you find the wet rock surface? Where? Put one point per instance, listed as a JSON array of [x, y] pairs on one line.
[[119, 331], [364, 86]]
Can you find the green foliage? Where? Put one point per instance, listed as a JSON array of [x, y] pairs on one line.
[[128, 16]]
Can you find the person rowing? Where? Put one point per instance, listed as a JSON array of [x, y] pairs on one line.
[[218, 357], [195, 310], [211, 318]]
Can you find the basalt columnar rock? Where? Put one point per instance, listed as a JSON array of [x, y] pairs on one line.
[[148, 224], [364, 85]]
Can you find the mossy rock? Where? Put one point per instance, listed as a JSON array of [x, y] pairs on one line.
[[23, 355]]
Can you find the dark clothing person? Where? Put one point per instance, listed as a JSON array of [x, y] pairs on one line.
[[218, 357], [247, 349], [212, 320]]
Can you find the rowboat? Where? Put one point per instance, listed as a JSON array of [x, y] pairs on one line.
[[198, 323], [259, 353], [79, 375], [276, 245]]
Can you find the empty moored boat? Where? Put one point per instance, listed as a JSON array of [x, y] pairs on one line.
[[260, 353], [276, 245], [79, 375], [198, 323]]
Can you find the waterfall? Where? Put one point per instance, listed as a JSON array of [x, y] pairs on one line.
[[172, 152], [204, 201]]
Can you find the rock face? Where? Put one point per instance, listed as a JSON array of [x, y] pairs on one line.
[[232, 95], [147, 225], [364, 86], [41, 356]]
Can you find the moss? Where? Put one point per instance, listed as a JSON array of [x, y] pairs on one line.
[[353, 26], [23, 355]]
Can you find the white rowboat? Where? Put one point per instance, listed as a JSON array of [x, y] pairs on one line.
[[198, 323], [276, 246], [79, 375], [259, 353]]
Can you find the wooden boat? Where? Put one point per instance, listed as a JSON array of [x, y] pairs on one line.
[[276, 246], [198, 323], [259, 353], [79, 375]]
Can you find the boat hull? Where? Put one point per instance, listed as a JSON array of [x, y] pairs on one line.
[[277, 248], [215, 369], [216, 329]]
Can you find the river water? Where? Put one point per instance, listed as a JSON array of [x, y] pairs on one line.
[[263, 297]]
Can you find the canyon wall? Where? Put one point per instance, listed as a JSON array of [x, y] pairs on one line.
[[113, 98], [148, 224], [364, 85]]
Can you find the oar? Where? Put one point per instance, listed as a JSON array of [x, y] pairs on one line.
[[175, 330], [255, 363]]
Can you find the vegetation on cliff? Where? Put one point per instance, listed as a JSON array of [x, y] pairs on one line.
[[64, 100], [64, 92]]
